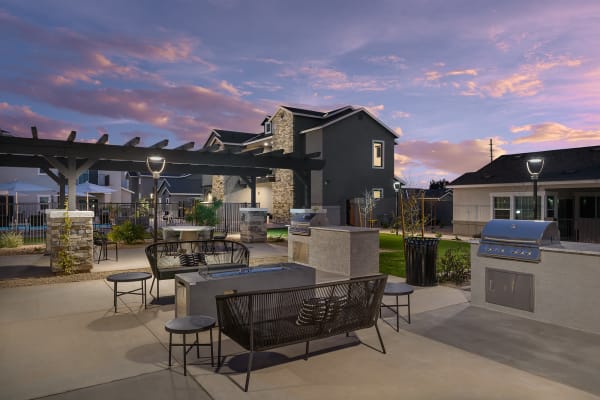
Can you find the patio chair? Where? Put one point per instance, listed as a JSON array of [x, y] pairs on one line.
[[101, 243]]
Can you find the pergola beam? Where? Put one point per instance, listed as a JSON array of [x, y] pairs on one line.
[[56, 148]]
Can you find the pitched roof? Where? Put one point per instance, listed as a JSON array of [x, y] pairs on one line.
[[189, 185], [580, 163], [310, 113], [345, 113], [234, 137]]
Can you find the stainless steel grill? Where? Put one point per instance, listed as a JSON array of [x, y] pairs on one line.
[[517, 239], [302, 220]]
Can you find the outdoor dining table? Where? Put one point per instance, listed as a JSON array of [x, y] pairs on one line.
[[190, 232]]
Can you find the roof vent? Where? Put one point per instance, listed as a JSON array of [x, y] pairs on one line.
[[487, 176]]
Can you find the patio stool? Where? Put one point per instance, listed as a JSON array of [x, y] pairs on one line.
[[129, 277], [397, 289], [188, 325]]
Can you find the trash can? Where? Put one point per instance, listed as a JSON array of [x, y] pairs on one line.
[[421, 256]]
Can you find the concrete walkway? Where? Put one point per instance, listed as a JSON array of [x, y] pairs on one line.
[[65, 341]]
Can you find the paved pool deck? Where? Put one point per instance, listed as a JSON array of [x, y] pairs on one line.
[[64, 341]]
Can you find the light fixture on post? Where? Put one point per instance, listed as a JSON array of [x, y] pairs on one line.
[[398, 190], [534, 167], [156, 165]]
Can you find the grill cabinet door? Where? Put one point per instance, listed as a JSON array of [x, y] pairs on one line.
[[509, 289]]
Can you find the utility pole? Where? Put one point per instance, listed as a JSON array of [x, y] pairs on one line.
[[491, 150]]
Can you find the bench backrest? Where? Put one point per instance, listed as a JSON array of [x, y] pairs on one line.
[[209, 252], [271, 318]]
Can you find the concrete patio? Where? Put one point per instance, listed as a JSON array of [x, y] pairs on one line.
[[64, 341]]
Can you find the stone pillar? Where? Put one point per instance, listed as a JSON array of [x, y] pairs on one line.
[[81, 238], [253, 225]]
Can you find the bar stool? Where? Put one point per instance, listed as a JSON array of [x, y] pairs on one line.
[[188, 325]]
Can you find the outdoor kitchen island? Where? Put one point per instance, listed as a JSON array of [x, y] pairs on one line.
[[560, 286], [349, 251]]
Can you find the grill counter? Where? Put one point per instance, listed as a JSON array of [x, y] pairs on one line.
[[517, 239]]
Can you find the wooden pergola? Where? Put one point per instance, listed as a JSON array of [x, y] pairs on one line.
[[71, 159]]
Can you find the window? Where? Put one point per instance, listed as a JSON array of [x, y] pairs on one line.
[[550, 205], [587, 207], [377, 194], [267, 128], [44, 202], [377, 154], [502, 207], [524, 207]]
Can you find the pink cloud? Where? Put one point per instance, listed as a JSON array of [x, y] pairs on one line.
[[527, 82], [455, 158], [332, 79], [390, 59], [229, 88], [553, 131], [375, 110], [18, 120], [400, 114]]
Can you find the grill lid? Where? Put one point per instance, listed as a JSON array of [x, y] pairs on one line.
[[521, 231], [517, 239]]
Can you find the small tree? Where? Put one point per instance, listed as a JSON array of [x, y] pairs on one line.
[[365, 207], [412, 215], [205, 214]]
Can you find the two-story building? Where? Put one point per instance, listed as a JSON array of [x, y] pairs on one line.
[[358, 150]]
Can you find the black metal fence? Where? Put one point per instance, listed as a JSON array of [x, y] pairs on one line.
[[29, 219]]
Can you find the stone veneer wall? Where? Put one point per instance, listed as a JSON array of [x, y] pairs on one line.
[[283, 187], [253, 225], [82, 235], [218, 187]]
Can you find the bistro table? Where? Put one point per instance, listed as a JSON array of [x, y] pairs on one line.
[[129, 277], [190, 232]]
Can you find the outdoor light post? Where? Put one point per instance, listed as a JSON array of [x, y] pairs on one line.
[[534, 167], [397, 187], [398, 190], [156, 165]]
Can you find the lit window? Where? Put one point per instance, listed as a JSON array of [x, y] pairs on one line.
[[378, 194], [267, 128], [377, 154], [524, 207], [550, 204]]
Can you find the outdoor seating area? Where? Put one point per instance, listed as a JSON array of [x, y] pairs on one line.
[[130, 348], [166, 259], [269, 319]]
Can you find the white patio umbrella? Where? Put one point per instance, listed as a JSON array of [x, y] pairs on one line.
[[13, 188]]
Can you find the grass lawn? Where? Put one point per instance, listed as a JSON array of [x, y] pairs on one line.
[[392, 261], [277, 234]]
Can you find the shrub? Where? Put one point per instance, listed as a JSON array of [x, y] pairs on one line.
[[11, 239], [205, 214], [127, 232], [454, 266]]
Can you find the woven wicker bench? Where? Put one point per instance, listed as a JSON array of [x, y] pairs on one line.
[[267, 319], [170, 258]]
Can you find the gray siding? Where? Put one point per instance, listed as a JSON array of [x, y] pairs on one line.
[[346, 147]]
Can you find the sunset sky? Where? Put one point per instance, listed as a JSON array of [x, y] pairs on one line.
[[446, 75]]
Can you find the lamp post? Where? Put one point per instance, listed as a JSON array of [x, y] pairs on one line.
[[156, 165], [534, 167], [398, 190], [397, 187]]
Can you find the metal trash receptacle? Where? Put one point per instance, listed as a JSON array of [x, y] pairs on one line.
[[421, 257]]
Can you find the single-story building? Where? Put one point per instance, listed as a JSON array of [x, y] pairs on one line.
[[568, 192]]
